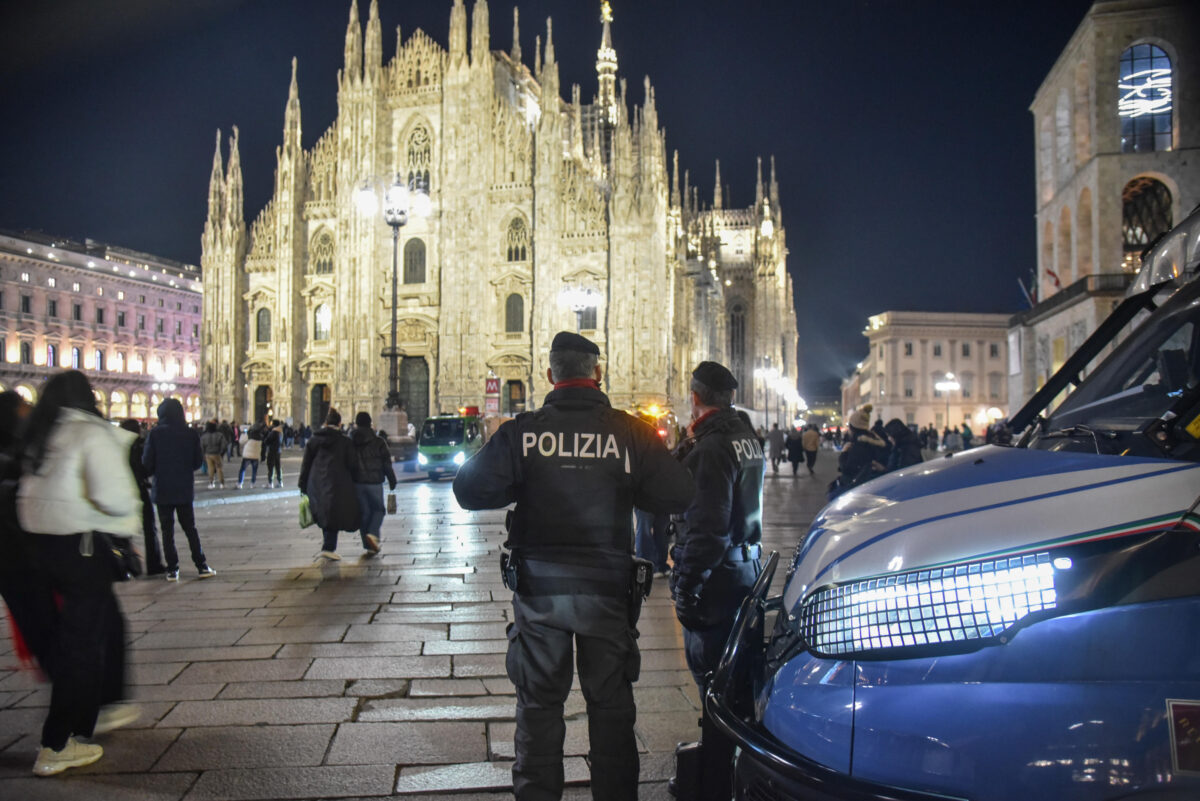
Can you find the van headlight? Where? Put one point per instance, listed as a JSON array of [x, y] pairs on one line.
[[460, 457], [955, 604], [422, 459]]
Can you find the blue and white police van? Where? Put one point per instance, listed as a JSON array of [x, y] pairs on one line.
[[1008, 623]]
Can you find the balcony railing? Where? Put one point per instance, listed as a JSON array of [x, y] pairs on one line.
[[1100, 284]]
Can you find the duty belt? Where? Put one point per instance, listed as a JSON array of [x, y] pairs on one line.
[[743, 553], [543, 577]]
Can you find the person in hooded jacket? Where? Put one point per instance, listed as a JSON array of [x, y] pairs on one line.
[[860, 459], [327, 478], [76, 481], [906, 448], [171, 458], [373, 465], [272, 443], [153, 554]]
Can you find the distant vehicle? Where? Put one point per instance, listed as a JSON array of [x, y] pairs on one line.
[[1006, 622], [446, 441]]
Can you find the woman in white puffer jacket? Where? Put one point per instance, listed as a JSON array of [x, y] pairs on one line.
[[76, 480]]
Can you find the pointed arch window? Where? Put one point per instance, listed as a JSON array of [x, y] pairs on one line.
[[516, 240], [419, 155], [514, 314], [414, 262], [322, 322], [320, 256], [737, 341], [1145, 212], [262, 326], [1144, 99]]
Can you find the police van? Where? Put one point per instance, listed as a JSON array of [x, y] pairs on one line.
[[1004, 623], [447, 441]]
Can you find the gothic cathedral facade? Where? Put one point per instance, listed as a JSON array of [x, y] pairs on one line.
[[533, 197]]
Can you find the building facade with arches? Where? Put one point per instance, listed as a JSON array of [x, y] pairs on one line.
[[1117, 133], [129, 320], [532, 194]]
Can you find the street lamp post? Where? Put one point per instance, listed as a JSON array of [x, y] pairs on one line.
[[948, 385], [399, 202]]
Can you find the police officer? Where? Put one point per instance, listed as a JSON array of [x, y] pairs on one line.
[[717, 556], [575, 469]]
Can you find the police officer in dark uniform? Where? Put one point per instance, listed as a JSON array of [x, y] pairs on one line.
[[717, 556], [575, 469]]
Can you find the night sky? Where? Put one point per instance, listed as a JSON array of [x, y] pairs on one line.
[[900, 128]]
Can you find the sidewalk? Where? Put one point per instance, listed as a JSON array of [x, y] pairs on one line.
[[282, 680]]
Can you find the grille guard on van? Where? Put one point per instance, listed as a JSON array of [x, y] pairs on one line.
[[729, 703]]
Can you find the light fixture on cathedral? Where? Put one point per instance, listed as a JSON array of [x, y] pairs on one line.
[[579, 299]]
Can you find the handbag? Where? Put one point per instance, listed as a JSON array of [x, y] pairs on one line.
[[252, 449], [306, 518], [122, 559], [391, 503]]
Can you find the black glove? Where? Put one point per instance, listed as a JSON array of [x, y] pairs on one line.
[[687, 608]]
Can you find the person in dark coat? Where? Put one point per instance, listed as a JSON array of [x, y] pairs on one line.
[[327, 478], [373, 465], [153, 554], [859, 460], [272, 442], [795, 449], [171, 457], [906, 448]]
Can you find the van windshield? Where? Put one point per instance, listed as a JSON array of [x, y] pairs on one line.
[[1144, 377], [442, 432]]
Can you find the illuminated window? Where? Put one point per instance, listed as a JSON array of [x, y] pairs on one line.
[[262, 328], [1145, 212], [25, 277], [76, 358], [514, 314], [75, 287], [52, 282], [52, 356], [1144, 99], [588, 319], [419, 154], [322, 322], [414, 262]]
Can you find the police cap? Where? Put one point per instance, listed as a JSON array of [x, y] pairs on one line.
[[714, 376], [565, 340]]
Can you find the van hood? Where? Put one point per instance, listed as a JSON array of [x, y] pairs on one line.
[[986, 502]]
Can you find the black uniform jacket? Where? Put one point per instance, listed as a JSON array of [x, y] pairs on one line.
[[727, 463], [575, 469]]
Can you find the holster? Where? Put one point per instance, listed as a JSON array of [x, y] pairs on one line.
[[641, 579], [510, 568]]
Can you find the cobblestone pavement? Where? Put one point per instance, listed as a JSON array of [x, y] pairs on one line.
[[367, 677]]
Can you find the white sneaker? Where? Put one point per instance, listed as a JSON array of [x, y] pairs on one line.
[[73, 755], [114, 716], [329, 556], [239, 485], [211, 484]]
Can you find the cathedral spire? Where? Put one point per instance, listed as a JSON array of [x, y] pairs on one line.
[[717, 204], [774, 187], [606, 65], [352, 68], [758, 186], [458, 33], [291, 116], [373, 52], [216, 185], [233, 185], [480, 36], [549, 74], [675, 180], [537, 54], [516, 45]]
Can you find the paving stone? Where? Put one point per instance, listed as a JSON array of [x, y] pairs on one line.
[[465, 708], [247, 747], [249, 670], [21, 721], [478, 631], [288, 634], [174, 692], [189, 639], [478, 665], [22, 680], [356, 649], [408, 743], [434, 648], [250, 712], [475, 776], [129, 750], [663, 699], [381, 632], [205, 623], [500, 739], [77, 786], [334, 781], [336, 619], [405, 667], [447, 687], [284, 689], [469, 614], [463, 596], [663, 730], [499, 685], [216, 654], [379, 688]]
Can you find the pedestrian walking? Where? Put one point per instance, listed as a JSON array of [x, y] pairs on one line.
[[811, 440], [775, 443], [718, 553], [213, 445], [252, 454], [152, 553], [75, 482], [272, 442], [171, 458], [327, 478], [372, 466], [795, 450], [575, 469], [906, 448], [967, 436]]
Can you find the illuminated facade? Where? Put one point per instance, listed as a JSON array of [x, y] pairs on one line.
[[533, 196], [129, 320], [1117, 132]]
